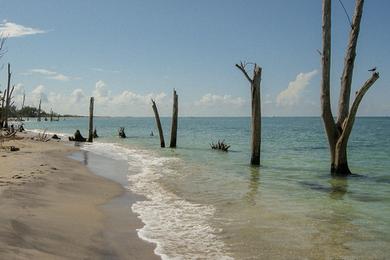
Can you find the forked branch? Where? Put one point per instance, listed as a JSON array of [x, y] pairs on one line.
[[348, 123], [242, 68]]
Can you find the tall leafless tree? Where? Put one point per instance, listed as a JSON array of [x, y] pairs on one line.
[[338, 131], [39, 110], [8, 97], [256, 109], [3, 98], [158, 122], [90, 132], [2, 45], [174, 120]]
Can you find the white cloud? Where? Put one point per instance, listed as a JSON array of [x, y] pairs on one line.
[[125, 102], [101, 93], [131, 97], [131, 103], [19, 89], [49, 74], [218, 105], [18, 94], [291, 95], [9, 29], [39, 94], [100, 89], [77, 96], [211, 100], [105, 70]]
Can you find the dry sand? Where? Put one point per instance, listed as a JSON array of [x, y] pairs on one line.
[[53, 207]]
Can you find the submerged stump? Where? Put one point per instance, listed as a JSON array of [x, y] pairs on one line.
[[220, 145], [77, 137], [95, 135], [121, 132]]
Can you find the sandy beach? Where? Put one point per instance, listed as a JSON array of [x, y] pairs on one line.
[[54, 207]]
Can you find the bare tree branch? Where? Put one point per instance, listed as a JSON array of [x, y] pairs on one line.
[[349, 121], [346, 78], [12, 91], [2, 43], [242, 68], [327, 116]]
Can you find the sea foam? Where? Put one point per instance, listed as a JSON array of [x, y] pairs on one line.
[[179, 228]]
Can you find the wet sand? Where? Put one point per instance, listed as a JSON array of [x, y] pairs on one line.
[[54, 207]]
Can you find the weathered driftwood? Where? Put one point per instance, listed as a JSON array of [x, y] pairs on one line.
[[2, 45], [158, 122], [256, 109], [11, 148], [220, 145], [121, 132], [90, 135], [8, 136], [77, 137], [42, 137], [338, 132], [174, 120]]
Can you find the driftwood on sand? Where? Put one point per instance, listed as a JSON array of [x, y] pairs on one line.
[[77, 137], [42, 137], [6, 137], [55, 137]]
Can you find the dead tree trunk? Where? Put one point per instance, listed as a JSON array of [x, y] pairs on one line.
[[90, 136], [338, 132], [39, 110], [2, 109], [158, 122], [174, 120], [8, 97], [256, 110]]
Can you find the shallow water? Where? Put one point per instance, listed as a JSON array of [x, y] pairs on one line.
[[209, 204]]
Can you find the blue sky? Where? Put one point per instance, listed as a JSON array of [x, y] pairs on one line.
[[125, 52]]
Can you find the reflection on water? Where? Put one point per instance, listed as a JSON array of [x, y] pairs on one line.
[[253, 186], [339, 187], [85, 157]]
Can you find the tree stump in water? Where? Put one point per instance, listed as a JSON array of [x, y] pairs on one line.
[[77, 137], [220, 146], [95, 135], [121, 132]]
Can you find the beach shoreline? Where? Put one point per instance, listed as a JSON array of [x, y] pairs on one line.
[[54, 207]]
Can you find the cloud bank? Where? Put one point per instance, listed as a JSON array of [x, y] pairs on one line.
[[292, 94], [10, 30]]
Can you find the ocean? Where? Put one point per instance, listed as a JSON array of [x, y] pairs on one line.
[[207, 204]]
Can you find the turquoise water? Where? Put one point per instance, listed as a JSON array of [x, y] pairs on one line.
[[208, 204]]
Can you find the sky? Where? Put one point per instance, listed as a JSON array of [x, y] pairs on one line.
[[126, 52]]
